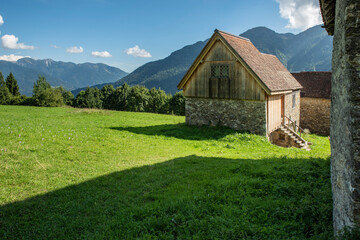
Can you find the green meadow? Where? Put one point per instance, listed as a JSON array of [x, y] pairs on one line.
[[69, 173]]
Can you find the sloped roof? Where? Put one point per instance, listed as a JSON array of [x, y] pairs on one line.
[[315, 84], [267, 68], [327, 8]]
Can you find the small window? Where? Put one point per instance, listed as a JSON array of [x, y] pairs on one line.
[[220, 71], [293, 100]]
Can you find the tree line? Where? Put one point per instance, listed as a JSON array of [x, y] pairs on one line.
[[123, 98]]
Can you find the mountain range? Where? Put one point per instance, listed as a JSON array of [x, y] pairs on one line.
[[309, 50], [57, 73]]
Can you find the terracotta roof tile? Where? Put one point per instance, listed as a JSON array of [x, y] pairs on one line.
[[266, 66], [315, 84]]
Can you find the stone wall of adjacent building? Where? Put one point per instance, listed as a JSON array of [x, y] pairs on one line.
[[315, 115], [240, 115], [293, 112], [345, 115]]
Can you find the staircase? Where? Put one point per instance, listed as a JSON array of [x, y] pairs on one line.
[[295, 139]]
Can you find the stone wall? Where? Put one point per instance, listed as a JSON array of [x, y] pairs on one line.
[[243, 115], [293, 113], [283, 139], [315, 115], [345, 115]]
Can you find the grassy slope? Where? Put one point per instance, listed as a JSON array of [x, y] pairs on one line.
[[70, 173]]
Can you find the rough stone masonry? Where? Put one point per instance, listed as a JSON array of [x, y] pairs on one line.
[[226, 112], [345, 115]]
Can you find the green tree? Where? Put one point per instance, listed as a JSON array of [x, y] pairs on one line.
[[44, 95], [53, 97], [80, 100], [90, 98], [107, 93], [67, 96], [158, 101], [12, 85], [118, 100], [122, 94], [138, 99], [4, 91], [177, 104], [39, 91]]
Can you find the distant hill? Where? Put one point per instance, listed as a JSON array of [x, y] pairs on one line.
[[66, 74], [165, 73], [307, 51]]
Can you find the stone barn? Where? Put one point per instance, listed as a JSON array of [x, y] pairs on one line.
[[315, 101], [232, 84]]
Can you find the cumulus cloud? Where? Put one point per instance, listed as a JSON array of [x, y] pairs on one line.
[[137, 52], [1, 20], [11, 42], [301, 14], [12, 57], [54, 46], [75, 49], [104, 54]]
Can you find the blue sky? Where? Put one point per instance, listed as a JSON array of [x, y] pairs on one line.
[[127, 34]]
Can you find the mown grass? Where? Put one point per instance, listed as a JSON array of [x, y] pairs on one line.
[[89, 174]]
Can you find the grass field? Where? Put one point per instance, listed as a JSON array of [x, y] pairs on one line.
[[88, 174]]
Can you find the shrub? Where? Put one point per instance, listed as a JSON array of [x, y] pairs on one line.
[[177, 104]]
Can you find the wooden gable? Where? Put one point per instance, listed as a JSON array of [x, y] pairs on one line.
[[239, 83]]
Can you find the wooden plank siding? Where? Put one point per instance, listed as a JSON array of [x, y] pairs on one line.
[[274, 112], [239, 85]]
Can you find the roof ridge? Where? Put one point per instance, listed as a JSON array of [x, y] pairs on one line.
[[313, 72], [268, 54], [220, 31]]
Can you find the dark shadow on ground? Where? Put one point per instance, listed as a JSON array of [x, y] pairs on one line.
[[184, 198], [181, 131]]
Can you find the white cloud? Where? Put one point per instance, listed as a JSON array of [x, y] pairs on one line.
[[11, 42], [137, 52], [75, 49], [301, 14], [104, 54], [1, 20], [12, 57], [54, 46]]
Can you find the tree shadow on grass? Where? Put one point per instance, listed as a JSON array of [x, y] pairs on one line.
[[181, 131], [184, 198]]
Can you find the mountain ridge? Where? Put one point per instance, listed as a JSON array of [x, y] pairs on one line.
[[58, 73], [309, 50]]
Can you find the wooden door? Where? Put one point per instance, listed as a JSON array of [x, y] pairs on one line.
[[283, 108], [275, 111]]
